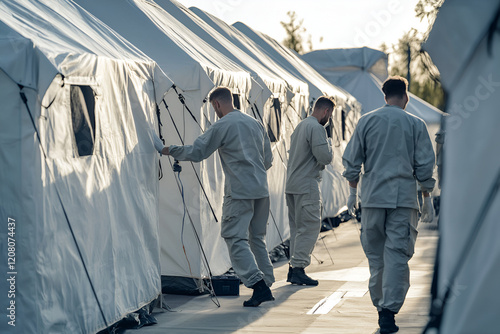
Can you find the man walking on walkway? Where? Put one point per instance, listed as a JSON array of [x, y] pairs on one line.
[[245, 154], [396, 152], [309, 152]]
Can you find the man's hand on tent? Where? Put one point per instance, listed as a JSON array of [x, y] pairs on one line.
[[159, 144], [427, 210]]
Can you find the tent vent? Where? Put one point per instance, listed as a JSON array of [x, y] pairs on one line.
[[236, 101], [274, 121], [83, 118]]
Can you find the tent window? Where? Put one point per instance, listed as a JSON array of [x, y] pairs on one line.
[[343, 125], [329, 129], [274, 121], [236, 101], [83, 118]]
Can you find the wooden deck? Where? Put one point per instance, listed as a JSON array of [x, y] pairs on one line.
[[339, 304]]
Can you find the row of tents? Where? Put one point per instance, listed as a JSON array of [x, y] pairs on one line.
[[92, 216]]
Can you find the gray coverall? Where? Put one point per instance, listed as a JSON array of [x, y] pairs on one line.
[[309, 152], [396, 151], [245, 154]]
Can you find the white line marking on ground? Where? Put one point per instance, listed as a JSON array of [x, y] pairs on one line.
[[355, 274], [326, 304]]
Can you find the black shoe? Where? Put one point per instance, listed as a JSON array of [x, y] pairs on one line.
[[299, 277], [261, 293], [386, 321], [289, 276]]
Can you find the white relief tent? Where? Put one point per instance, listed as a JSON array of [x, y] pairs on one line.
[[77, 169], [469, 253], [334, 188], [196, 67]]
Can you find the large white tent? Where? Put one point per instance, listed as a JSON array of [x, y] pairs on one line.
[[361, 72], [191, 245], [469, 254], [268, 108], [334, 188], [78, 195]]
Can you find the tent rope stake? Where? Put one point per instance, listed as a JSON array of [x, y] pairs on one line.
[[25, 101], [192, 164]]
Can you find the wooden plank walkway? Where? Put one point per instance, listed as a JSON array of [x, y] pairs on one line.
[[339, 304]]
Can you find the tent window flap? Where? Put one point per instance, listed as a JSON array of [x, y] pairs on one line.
[[274, 121], [83, 118]]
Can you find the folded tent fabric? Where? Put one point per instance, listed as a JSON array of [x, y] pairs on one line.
[[73, 212]]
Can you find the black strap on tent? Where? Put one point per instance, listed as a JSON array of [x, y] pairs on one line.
[[183, 102], [25, 101], [258, 113], [438, 306], [160, 170], [192, 165], [492, 29], [251, 107], [186, 210]]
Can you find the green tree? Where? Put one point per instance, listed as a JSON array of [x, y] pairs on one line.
[[428, 9], [294, 31], [424, 76]]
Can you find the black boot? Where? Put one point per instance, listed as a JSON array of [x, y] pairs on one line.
[[289, 276], [299, 277], [261, 293], [386, 321]]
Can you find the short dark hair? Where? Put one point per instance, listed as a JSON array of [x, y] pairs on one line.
[[395, 86], [324, 102], [221, 94]]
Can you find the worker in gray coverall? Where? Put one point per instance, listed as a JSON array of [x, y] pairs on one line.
[[245, 154], [309, 152], [396, 152]]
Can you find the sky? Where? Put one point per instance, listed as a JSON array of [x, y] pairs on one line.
[[331, 23]]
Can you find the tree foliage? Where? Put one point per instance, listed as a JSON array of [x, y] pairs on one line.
[[428, 9], [294, 31], [424, 76]]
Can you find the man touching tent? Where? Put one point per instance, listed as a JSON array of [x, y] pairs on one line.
[[245, 154], [396, 151]]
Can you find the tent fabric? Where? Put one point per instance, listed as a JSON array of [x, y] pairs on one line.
[[259, 72], [196, 67], [291, 61], [470, 74], [244, 43], [187, 59], [72, 212]]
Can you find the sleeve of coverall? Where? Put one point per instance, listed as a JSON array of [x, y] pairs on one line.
[[354, 156], [424, 158], [268, 153], [202, 148], [320, 146]]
